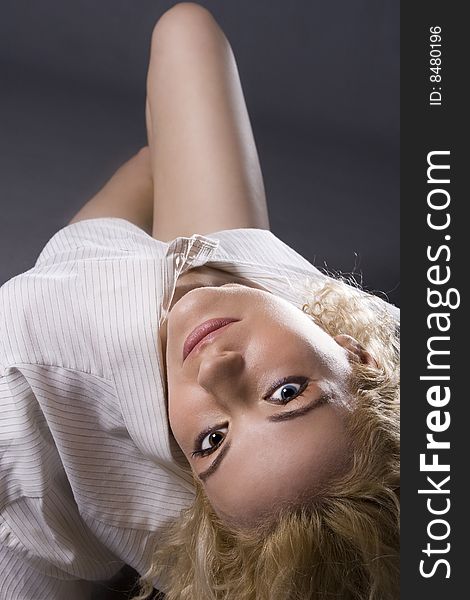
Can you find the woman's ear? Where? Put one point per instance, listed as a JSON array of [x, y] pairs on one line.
[[355, 350]]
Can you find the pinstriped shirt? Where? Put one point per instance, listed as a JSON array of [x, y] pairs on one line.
[[89, 470]]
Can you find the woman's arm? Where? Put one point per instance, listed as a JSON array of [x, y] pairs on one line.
[[204, 159], [128, 194]]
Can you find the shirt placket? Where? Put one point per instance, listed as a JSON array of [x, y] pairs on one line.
[[183, 254]]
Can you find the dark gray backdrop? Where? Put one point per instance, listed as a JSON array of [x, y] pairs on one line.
[[321, 81]]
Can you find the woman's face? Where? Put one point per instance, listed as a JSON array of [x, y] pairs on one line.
[[259, 408]]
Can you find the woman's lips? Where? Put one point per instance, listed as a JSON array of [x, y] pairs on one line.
[[202, 331]]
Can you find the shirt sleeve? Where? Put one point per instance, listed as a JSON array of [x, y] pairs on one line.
[[78, 500], [21, 581], [44, 542]]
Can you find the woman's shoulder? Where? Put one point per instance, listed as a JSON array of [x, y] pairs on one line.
[[103, 237], [261, 246]]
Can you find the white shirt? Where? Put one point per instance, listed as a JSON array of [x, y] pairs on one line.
[[89, 470]]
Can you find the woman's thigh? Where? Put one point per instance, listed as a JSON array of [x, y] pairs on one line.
[[206, 170]]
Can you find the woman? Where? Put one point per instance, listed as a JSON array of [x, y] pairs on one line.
[[186, 394]]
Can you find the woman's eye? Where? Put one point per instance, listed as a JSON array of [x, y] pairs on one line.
[[211, 441], [286, 391]]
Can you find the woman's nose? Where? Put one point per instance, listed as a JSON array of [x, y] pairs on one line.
[[219, 371]]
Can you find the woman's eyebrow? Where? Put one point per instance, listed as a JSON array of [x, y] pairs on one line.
[[298, 412], [214, 465], [284, 416]]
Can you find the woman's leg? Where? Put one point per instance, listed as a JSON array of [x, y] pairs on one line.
[[206, 170], [128, 194]]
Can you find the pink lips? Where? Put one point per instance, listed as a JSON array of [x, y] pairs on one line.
[[202, 331]]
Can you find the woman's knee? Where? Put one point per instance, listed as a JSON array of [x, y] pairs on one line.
[[186, 25]]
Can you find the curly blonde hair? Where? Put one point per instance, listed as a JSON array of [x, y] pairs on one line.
[[344, 543]]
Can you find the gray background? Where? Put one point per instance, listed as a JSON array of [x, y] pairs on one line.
[[321, 82]]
